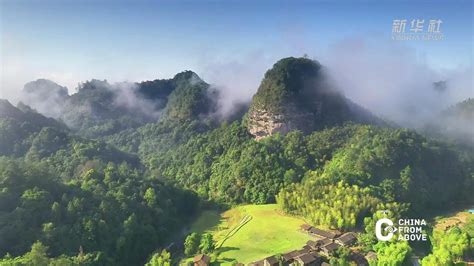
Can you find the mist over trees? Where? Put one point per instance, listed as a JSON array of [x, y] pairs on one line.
[[118, 173]]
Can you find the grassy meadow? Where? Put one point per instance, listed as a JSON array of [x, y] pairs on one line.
[[251, 232]]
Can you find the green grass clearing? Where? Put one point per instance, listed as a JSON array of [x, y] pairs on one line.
[[267, 232]]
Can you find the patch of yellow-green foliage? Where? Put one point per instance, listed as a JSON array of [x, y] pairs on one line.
[[251, 232], [452, 240]]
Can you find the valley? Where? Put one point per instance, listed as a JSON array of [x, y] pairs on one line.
[[236, 133], [125, 181]]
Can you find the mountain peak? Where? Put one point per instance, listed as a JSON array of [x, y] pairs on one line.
[[284, 81], [45, 86], [190, 98], [8, 110], [294, 94]]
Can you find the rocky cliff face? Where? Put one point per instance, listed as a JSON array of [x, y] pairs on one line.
[[275, 108], [263, 123], [294, 96]]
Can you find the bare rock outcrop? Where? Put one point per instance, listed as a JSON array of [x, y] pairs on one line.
[[262, 123]]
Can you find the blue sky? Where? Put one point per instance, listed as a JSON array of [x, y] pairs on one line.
[[133, 40]]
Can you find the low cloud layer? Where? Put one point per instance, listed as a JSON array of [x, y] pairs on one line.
[[98, 99], [388, 78], [237, 80], [127, 97], [391, 80]]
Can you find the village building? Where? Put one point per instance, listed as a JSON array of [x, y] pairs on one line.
[[289, 257], [321, 233], [323, 242], [201, 260], [271, 261], [359, 259], [307, 259], [312, 245], [346, 239], [326, 242], [371, 256], [325, 264], [329, 249]]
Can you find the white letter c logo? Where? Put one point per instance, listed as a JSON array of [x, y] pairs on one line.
[[378, 229]]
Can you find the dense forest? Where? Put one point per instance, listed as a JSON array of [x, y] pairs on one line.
[[391, 165], [104, 182]]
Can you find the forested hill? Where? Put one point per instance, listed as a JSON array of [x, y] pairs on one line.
[[81, 201], [24, 133], [19, 124], [23, 113], [99, 108], [295, 94], [464, 109], [456, 124], [125, 167]]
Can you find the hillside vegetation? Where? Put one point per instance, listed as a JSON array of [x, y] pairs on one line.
[[113, 182]]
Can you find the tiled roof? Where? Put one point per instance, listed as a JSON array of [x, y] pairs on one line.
[[323, 233], [306, 258], [347, 238], [331, 247]]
